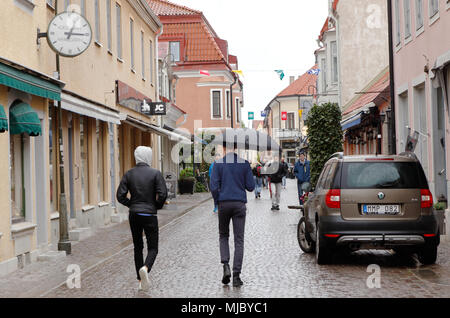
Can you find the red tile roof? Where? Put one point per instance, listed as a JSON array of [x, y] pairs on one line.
[[376, 92], [324, 28], [165, 8], [302, 86], [257, 123]]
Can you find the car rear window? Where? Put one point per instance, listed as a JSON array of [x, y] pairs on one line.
[[383, 175]]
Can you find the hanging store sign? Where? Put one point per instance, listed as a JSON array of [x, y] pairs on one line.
[[154, 109], [284, 116], [130, 98]]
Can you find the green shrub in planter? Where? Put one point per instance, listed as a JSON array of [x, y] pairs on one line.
[[440, 206], [186, 182], [200, 188]]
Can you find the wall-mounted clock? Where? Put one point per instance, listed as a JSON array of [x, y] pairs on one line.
[[69, 34]]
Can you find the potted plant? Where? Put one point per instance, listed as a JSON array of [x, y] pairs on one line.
[[186, 182], [439, 211]]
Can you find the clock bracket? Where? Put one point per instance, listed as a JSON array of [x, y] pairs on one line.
[[40, 35]]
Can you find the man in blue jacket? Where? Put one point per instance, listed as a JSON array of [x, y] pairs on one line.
[[302, 172], [231, 177]]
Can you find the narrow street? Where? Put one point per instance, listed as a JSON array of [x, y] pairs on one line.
[[274, 266]]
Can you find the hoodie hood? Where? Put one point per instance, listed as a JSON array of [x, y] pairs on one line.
[[143, 155]]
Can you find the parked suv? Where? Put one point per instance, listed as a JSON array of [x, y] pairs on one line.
[[370, 202]]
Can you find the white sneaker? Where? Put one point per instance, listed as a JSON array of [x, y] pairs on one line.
[[145, 284], [140, 286]]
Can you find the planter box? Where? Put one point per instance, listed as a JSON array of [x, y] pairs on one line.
[[440, 216], [186, 186]]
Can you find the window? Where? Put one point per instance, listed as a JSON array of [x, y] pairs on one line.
[[51, 3], [403, 120], [97, 21], [83, 7], [419, 14], [434, 7], [238, 111], [143, 55], [216, 104], [66, 4], [84, 160], [407, 11], [151, 62], [175, 51], [397, 21], [100, 161], [108, 22], [119, 30], [290, 123], [132, 43], [52, 157], [228, 101], [334, 61], [324, 75], [16, 156]]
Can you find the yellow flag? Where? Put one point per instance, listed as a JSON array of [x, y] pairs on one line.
[[239, 72], [300, 112]]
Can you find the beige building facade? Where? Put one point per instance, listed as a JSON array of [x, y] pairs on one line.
[[100, 93]]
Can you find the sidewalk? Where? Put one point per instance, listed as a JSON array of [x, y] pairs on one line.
[[38, 278]]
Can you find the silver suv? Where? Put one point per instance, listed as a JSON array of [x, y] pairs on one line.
[[370, 202]]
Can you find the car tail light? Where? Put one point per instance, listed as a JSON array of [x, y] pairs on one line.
[[426, 199], [429, 235], [332, 235], [333, 199]]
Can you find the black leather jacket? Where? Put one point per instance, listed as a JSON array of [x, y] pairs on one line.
[[147, 188]]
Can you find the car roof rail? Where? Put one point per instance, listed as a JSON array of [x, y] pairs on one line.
[[338, 155], [409, 154]]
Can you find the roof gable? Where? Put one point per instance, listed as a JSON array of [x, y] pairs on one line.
[[302, 86], [165, 8]]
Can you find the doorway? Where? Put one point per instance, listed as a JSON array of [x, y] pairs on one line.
[[439, 146]]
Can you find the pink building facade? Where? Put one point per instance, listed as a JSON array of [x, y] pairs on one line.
[[421, 50]]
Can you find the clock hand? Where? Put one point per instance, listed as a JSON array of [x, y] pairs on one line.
[[74, 33], [71, 30]]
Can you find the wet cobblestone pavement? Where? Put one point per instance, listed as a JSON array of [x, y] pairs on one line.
[[188, 264]]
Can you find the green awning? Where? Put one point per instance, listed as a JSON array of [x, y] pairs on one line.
[[28, 83], [23, 119], [3, 120]]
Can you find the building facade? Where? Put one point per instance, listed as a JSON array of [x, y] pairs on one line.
[[421, 52], [100, 93], [206, 86]]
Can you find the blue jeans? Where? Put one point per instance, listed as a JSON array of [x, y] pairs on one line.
[[259, 184], [300, 191], [284, 181]]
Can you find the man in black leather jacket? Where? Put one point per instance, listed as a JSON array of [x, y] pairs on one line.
[[148, 195]]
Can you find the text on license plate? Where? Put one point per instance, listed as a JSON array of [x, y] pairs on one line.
[[381, 209]]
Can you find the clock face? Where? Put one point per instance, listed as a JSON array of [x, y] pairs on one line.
[[69, 34]]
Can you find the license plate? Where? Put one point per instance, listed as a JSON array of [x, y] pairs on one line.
[[380, 209]]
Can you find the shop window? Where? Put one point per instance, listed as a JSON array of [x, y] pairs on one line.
[[52, 156], [16, 151], [84, 160], [100, 161]]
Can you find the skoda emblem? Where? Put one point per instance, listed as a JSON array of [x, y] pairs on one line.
[[381, 195]]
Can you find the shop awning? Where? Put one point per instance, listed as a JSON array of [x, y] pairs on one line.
[[23, 81], [86, 108], [171, 135], [3, 120], [23, 119], [352, 121]]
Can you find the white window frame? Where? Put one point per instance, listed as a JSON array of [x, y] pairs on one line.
[[109, 25], [175, 59], [398, 39], [212, 104], [407, 18], [324, 74], [432, 13], [334, 63], [287, 121], [143, 54], [132, 62], [419, 18], [119, 31], [237, 101], [228, 103], [151, 62], [97, 21]]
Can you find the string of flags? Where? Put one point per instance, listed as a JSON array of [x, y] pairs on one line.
[[280, 73]]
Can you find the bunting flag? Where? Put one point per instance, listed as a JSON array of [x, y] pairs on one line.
[[280, 73], [239, 72], [313, 72], [203, 72]]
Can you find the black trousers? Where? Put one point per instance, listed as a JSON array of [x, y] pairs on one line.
[[235, 211], [149, 225]]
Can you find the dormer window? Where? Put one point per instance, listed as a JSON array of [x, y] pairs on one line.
[[175, 50]]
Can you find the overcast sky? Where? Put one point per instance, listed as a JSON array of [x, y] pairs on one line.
[[266, 35]]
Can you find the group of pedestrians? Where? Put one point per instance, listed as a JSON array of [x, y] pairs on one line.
[[231, 178]]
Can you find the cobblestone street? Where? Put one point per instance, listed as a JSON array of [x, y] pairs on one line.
[[274, 266]]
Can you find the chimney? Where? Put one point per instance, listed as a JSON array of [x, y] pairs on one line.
[[291, 79]]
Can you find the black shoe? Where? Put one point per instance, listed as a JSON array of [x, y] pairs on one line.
[[273, 208], [226, 274], [237, 282], [277, 208]]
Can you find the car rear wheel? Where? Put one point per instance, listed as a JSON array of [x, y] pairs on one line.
[[304, 239], [428, 253], [324, 252]]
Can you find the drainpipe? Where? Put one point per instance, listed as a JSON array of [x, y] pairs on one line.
[[231, 99], [158, 98], [391, 128]]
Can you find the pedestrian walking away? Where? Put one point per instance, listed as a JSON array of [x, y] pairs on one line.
[[231, 177], [216, 204], [287, 169], [256, 169], [302, 172], [276, 180], [148, 195]]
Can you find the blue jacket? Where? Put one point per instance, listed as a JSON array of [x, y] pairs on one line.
[[231, 179], [302, 171], [211, 169]]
